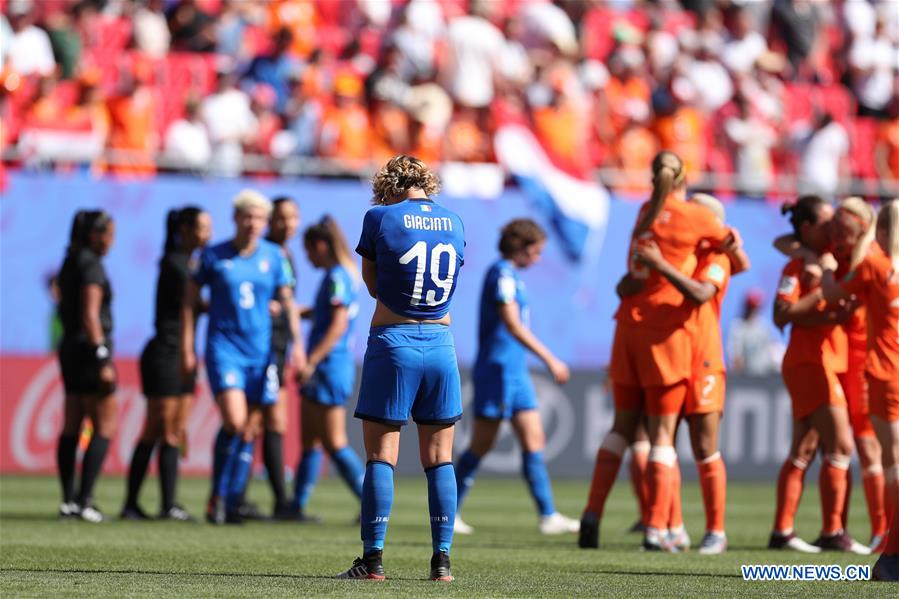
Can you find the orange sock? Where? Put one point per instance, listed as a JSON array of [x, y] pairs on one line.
[[713, 481], [639, 459], [676, 518], [892, 496], [789, 491], [847, 499], [875, 496], [659, 472], [832, 483], [605, 471]]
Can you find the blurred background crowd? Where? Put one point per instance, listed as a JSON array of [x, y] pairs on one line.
[[753, 95]]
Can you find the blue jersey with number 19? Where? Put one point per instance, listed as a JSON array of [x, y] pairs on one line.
[[417, 246], [240, 288]]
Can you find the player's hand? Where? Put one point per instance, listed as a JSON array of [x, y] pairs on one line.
[[275, 308], [827, 262], [298, 359], [559, 370], [107, 377], [188, 364], [304, 375], [733, 242], [811, 274], [648, 253]]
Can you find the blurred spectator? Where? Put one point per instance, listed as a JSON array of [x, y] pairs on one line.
[[303, 115], [796, 21], [262, 103], [746, 44], [635, 148], [421, 23], [47, 107], [752, 348], [430, 109], [466, 139], [132, 136], [514, 63], [557, 122], [186, 140], [547, 27], [192, 29], [474, 48], [823, 153], [229, 121], [872, 61], [628, 92], [390, 130], [681, 128], [151, 31], [299, 18], [887, 151], [753, 140], [65, 41], [90, 110], [346, 130], [275, 68], [29, 50], [700, 77]]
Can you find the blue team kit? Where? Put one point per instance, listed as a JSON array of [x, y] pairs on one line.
[[238, 344], [332, 382], [411, 369], [502, 385]]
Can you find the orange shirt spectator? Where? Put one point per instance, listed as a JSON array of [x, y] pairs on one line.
[[634, 150], [683, 132], [887, 149], [560, 128], [465, 138], [627, 98], [346, 131], [299, 16], [390, 126], [133, 131]]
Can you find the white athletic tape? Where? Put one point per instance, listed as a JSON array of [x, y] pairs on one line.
[[614, 443], [664, 454], [799, 463], [838, 461], [715, 456], [892, 474], [641, 446], [872, 470]]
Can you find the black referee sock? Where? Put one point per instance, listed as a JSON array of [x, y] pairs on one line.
[[66, 451], [137, 471], [273, 457], [91, 466], [168, 475]]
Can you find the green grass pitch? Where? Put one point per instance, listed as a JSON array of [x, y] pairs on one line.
[[42, 556]]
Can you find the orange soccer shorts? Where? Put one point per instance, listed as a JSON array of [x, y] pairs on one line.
[[706, 394], [883, 397], [812, 386], [855, 388], [648, 357], [627, 398], [669, 399]]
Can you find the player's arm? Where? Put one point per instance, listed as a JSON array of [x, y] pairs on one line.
[[733, 249], [91, 302], [789, 246], [698, 292], [628, 286], [188, 304], [370, 276], [509, 315], [298, 349], [340, 321]]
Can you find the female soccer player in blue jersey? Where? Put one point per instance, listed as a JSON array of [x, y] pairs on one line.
[[243, 275], [328, 378], [411, 251], [169, 393], [502, 385]]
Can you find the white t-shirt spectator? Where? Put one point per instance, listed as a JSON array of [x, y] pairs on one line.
[[546, 22], [874, 87], [229, 121], [753, 139], [821, 155], [710, 82], [752, 349], [187, 144], [860, 18], [739, 55], [30, 52], [151, 33], [474, 46]]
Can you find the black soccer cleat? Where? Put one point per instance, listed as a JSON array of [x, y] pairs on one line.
[[367, 567], [588, 535], [250, 511], [291, 513], [215, 511], [133, 512], [440, 567]]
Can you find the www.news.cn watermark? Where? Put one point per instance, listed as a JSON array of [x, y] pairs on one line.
[[805, 572]]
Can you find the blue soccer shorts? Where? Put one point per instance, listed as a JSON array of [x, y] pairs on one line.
[[501, 392], [410, 370], [259, 382], [332, 382]]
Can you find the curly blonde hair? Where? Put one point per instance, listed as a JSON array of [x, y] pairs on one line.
[[402, 173]]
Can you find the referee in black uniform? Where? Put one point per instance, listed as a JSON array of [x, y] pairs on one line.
[[169, 392], [85, 358]]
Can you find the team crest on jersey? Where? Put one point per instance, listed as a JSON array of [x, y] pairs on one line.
[[227, 264], [263, 266], [664, 217], [787, 285], [230, 379], [716, 273], [425, 208]]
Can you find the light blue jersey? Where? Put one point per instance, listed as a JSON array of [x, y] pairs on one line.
[[338, 288], [240, 289], [502, 285], [418, 248]]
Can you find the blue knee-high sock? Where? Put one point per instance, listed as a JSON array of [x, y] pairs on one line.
[[350, 468], [466, 469], [534, 470], [377, 500], [307, 476], [442, 505], [226, 447], [240, 473]]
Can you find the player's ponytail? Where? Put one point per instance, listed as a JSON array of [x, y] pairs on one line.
[[804, 210], [75, 234], [888, 222], [865, 215], [329, 231], [667, 175], [172, 221]]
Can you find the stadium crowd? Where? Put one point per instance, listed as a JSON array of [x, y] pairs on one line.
[[752, 89]]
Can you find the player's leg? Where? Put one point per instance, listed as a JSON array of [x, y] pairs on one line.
[[174, 422], [140, 459], [886, 425], [103, 411], [67, 451], [639, 459], [664, 405], [790, 484], [435, 443], [678, 539], [483, 437], [311, 426], [336, 443], [870, 461], [274, 427], [704, 430], [232, 405]]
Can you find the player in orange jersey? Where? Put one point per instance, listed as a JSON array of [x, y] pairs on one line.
[[853, 222], [651, 354], [875, 281], [817, 351], [705, 290]]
